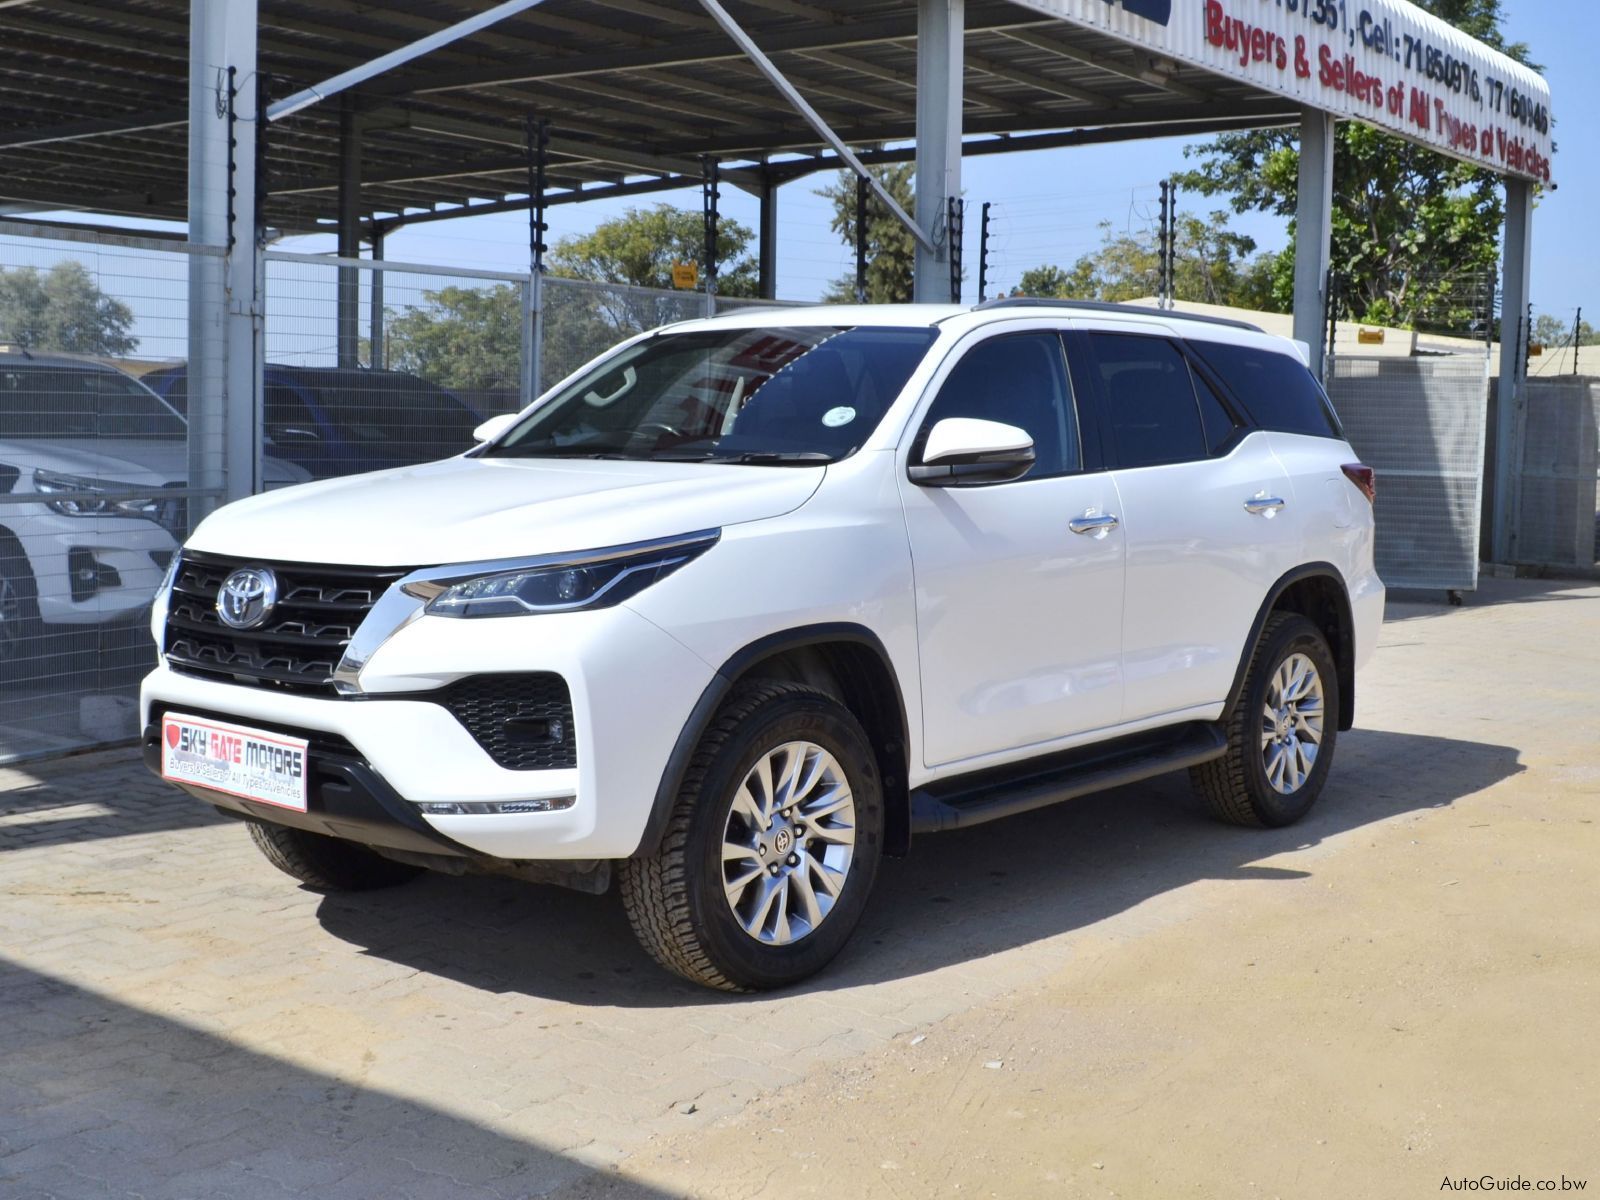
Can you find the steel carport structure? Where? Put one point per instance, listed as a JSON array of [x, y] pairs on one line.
[[638, 94]]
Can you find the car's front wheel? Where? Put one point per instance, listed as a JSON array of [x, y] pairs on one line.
[[21, 635], [328, 864], [771, 847], [1281, 733]]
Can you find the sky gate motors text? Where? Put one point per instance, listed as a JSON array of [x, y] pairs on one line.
[[241, 751]]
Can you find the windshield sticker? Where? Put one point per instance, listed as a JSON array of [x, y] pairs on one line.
[[836, 417]]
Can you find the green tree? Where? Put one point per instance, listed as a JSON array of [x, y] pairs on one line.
[[891, 248], [1550, 330], [460, 337], [640, 247], [1414, 232], [63, 309], [1212, 265], [604, 286]]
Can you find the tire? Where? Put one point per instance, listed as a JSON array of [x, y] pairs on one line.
[[21, 633], [1241, 788], [328, 864], [679, 900]]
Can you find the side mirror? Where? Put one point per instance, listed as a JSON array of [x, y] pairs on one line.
[[494, 427], [963, 451]]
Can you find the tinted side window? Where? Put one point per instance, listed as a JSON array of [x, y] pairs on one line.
[[1149, 400], [1277, 389], [1018, 380]]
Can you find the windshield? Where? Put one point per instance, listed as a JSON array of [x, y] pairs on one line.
[[802, 394], [66, 402]]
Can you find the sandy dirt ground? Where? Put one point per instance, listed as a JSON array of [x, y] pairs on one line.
[[1369, 1012]]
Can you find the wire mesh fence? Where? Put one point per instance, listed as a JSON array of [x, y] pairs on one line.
[[1420, 422], [1558, 508], [370, 365], [94, 471]]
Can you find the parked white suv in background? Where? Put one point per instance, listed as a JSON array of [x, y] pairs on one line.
[[732, 612], [92, 471]]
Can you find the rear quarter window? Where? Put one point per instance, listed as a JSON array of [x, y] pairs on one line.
[[1277, 390]]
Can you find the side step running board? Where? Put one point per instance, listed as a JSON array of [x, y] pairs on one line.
[[1021, 787]]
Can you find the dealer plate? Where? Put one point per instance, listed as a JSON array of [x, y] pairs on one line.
[[250, 763]]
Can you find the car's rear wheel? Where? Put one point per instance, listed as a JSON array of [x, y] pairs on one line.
[[328, 864], [771, 847], [1281, 732]]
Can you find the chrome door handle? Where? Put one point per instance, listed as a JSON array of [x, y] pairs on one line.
[[1098, 526], [1263, 504]]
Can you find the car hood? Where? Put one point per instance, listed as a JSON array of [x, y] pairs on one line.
[[476, 509], [156, 462]]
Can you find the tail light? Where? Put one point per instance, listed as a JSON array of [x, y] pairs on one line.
[[1364, 478]]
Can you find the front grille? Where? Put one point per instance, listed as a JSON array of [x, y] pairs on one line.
[[523, 722], [302, 641]]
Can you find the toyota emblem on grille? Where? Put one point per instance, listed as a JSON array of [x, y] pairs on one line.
[[247, 597]]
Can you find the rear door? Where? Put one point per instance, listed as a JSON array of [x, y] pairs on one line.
[[1203, 500]]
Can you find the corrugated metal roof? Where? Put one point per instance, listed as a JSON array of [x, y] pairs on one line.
[[635, 91]]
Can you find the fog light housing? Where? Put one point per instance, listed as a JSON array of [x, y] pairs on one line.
[[87, 576], [494, 808]]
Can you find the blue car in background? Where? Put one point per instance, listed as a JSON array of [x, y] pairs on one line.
[[343, 420]]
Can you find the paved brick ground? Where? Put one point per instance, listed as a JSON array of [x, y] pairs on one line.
[[177, 1020]]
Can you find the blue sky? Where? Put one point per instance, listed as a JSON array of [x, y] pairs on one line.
[[1049, 205]]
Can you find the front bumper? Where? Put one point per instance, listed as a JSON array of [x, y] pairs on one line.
[[632, 689], [345, 798]]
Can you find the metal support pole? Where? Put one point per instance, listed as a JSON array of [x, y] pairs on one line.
[[1163, 249], [983, 255], [224, 371], [377, 356], [1333, 293], [768, 269], [1577, 338], [349, 302], [941, 26], [955, 223], [531, 378], [825, 131], [709, 195], [861, 240], [1313, 248], [1511, 418]]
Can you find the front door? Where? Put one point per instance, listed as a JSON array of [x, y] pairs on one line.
[[1019, 618]]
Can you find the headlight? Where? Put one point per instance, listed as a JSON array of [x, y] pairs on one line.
[[163, 599], [102, 500], [561, 583]]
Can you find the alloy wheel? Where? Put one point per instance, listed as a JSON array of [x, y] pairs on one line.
[[788, 843], [1291, 724]]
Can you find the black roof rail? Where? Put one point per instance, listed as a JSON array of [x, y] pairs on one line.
[[1123, 310]]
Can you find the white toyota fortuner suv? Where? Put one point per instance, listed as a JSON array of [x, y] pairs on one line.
[[735, 610]]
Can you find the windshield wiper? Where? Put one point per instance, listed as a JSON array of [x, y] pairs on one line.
[[568, 451], [778, 458]]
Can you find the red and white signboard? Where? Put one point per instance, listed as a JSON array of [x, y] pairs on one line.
[[266, 767], [1384, 62]]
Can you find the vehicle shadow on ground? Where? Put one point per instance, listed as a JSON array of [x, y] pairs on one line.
[[197, 1115], [92, 799], [959, 897]]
